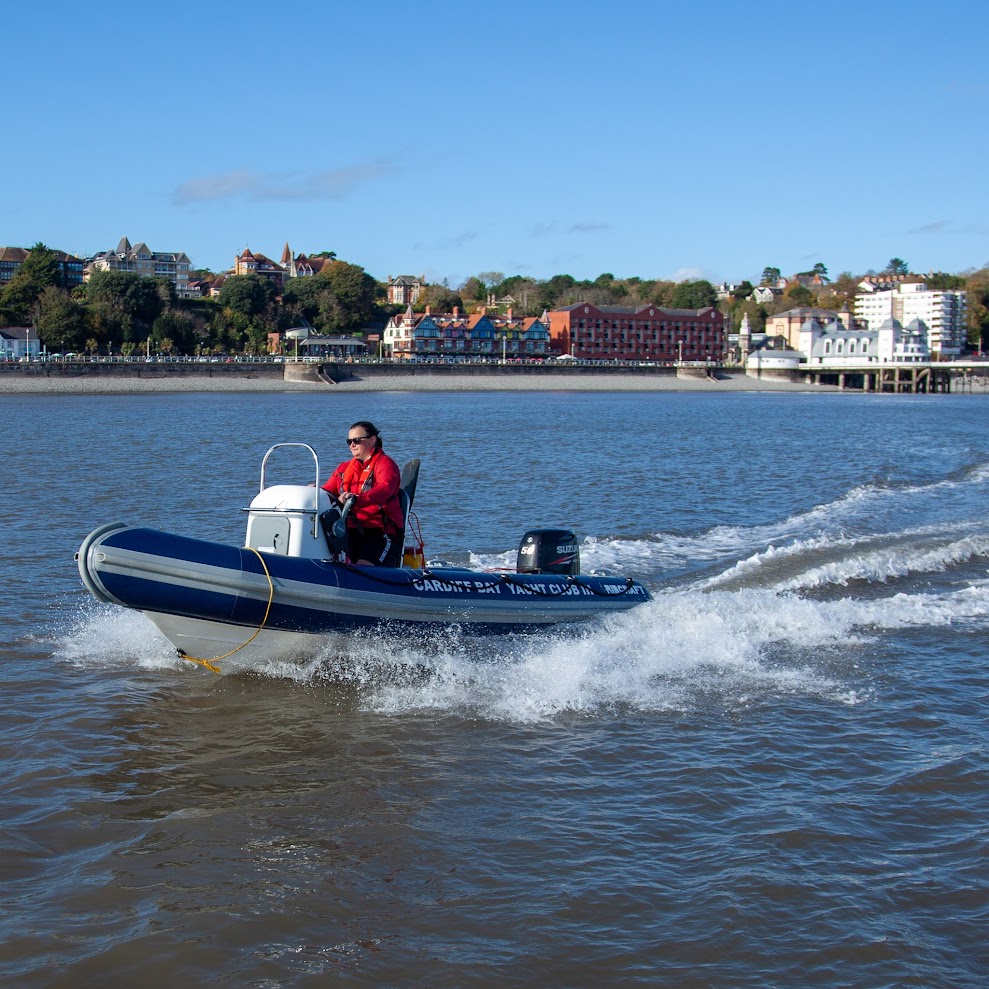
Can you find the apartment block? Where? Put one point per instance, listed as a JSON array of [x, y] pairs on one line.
[[941, 312], [141, 260]]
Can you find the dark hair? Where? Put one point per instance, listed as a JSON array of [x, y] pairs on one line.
[[370, 429]]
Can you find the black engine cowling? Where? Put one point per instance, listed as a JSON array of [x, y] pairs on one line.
[[549, 551]]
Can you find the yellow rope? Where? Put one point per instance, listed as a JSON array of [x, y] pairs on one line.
[[208, 663]]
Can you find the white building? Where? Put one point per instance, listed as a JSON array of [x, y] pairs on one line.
[[405, 289], [141, 260], [779, 363], [17, 342], [835, 346], [939, 312]]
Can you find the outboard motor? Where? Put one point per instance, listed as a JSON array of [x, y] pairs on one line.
[[549, 551]]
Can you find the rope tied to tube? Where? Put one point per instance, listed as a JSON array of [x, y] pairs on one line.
[[208, 663]]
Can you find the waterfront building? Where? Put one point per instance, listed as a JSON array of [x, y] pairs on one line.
[[333, 347], [786, 326], [199, 288], [642, 333], [70, 267], [940, 311], [835, 346], [740, 344], [886, 281], [765, 294], [301, 265], [11, 258], [17, 342], [141, 260], [779, 363], [404, 290], [249, 263], [461, 335]]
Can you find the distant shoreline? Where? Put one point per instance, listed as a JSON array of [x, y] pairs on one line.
[[145, 382]]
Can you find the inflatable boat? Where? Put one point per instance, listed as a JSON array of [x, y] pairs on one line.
[[289, 589]]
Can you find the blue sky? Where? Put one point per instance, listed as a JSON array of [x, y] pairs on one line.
[[447, 139]]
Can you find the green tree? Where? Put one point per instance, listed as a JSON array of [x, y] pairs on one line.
[[557, 292], [491, 278], [38, 271], [897, 266], [59, 320], [248, 295], [640, 291], [473, 289], [175, 329], [125, 305], [525, 292], [662, 293], [257, 339], [301, 299], [797, 295], [770, 276], [694, 295], [755, 312], [941, 281], [977, 287], [439, 298], [351, 302]]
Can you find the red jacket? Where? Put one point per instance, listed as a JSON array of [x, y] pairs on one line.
[[375, 487]]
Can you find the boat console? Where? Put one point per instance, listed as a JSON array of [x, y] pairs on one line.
[[284, 518]]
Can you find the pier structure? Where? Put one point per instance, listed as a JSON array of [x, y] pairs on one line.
[[886, 378]]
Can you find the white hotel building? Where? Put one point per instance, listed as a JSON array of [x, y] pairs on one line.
[[141, 260], [940, 312]]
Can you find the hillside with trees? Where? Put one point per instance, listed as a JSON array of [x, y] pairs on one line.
[[125, 313]]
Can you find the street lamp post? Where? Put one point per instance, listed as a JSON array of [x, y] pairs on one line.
[[28, 353], [679, 351]]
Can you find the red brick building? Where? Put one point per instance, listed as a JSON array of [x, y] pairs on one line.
[[250, 263], [640, 333]]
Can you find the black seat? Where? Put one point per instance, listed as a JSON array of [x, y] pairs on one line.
[[407, 489]]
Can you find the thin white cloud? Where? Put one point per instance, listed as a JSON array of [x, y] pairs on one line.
[[541, 229], [286, 186], [931, 228], [950, 227], [458, 240], [212, 187], [689, 273], [587, 228]]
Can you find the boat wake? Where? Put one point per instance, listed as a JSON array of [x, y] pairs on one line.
[[783, 623], [740, 616]]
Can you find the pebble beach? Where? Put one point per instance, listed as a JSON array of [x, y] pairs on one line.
[[135, 385]]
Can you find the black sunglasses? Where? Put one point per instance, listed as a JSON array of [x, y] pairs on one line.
[[351, 440]]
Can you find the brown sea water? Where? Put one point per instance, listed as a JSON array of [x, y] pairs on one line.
[[773, 774]]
